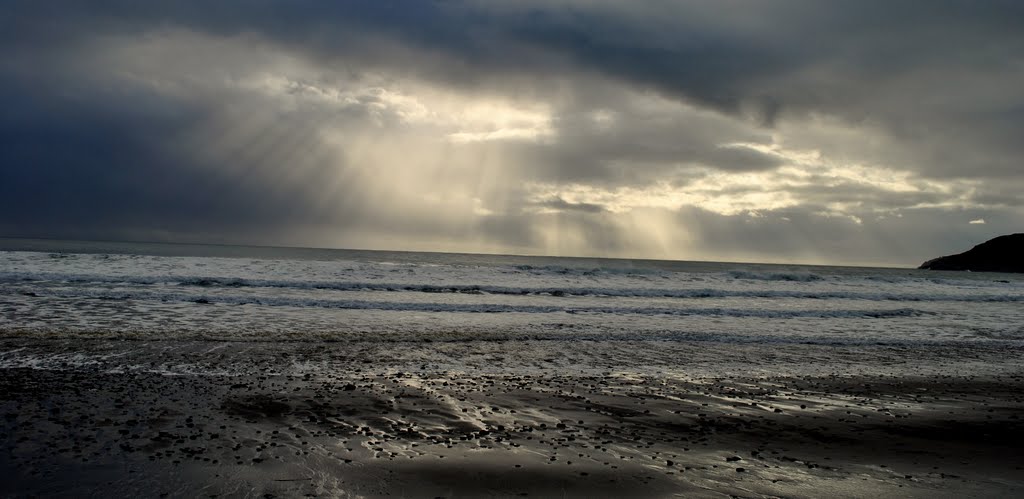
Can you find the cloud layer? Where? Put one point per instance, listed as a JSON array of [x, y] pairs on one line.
[[783, 131]]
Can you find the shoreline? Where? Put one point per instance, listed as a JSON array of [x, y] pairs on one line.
[[251, 420]]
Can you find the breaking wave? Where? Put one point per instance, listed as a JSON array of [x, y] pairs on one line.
[[1005, 295], [475, 307]]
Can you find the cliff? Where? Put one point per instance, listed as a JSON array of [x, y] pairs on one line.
[[1002, 254]]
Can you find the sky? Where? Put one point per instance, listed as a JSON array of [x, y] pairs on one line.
[[846, 132]]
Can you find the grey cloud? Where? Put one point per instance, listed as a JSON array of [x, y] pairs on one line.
[[563, 205], [1004, 194], [874, 62], [719, 54], [638, 144], [95, 149], [870, 197], [84, 160], [800, 234]]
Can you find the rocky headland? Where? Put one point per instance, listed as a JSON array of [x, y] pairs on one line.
[[1001, 254]]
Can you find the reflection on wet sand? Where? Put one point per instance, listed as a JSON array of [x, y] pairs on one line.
[[363, 428]]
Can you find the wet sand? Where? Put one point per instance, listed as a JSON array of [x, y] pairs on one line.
[[166, 419]]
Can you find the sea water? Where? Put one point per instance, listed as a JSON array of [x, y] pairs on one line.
[[235, 293]]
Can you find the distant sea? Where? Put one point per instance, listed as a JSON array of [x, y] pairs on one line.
[[153, 291]]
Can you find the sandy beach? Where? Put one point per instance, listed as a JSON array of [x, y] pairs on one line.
[[223, 419]]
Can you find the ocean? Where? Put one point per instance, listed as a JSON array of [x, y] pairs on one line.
[[236, 293]]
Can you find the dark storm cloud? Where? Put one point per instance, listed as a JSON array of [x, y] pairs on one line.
[[639, 94], [733, 56], [90, 163]]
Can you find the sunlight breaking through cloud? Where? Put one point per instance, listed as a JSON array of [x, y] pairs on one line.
[[565, 128]]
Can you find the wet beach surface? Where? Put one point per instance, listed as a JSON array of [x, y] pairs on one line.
[[177, 419]]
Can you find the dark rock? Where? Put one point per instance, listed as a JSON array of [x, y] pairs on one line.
[[1002, 254]]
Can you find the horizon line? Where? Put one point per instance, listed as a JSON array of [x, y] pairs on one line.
[[471, 253]]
